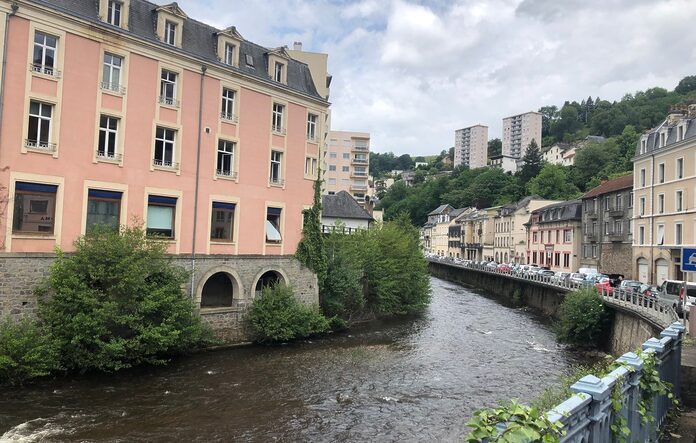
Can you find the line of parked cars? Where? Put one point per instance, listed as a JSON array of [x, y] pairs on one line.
[[680, 294]]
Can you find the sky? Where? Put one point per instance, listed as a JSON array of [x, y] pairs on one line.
[[411, 72]]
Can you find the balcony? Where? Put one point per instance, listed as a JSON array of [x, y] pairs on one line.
[[45, 70], [278, 130], [168, 101], [276, 181], [109, 156], [226, 174], [359, 161], [37, 145], [616, 213], [591, 237], [357, 187], [166, 164], [113, 87], [231, 118], [592, 214], [617, 237], [360, 148], [358, 174]]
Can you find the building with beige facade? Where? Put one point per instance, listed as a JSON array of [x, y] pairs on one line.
[[347, 163], [436, 230], [664, 186], [471, 147], [518, 133], [554, 236], [510, 235]]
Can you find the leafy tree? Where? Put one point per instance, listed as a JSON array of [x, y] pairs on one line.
[[495, 147], [27, 351], [549, 114], [342, 294], [552, 183], [532, 163], [595, 159], [404, 162], [686, 85], [117, 302], [487, 189], [310, 251], [582, 318]]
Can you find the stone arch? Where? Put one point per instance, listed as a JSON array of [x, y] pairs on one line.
[[661, 271], [642, 268], [222, 287], [506, 258], [266, 276]]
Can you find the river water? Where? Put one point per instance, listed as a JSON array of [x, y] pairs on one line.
[[407, 380]]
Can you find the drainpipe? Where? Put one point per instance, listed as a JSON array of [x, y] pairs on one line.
[[652, 217], [14, 7], [198, 173]]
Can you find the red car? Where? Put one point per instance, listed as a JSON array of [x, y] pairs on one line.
[[504, 268], [604, 286]]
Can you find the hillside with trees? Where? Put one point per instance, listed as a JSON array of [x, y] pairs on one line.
[[621, 122]]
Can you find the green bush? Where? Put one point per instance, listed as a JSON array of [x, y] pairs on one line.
[[342, 293], [277, 316], [26, 351], [117, 302], [582, 318]]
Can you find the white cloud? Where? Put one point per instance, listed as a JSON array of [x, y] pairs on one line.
[[411, 72]]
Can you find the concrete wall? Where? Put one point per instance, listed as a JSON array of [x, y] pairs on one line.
[[628, 330], [20, 274]]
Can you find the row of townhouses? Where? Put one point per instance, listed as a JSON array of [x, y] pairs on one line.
[[633, 225]]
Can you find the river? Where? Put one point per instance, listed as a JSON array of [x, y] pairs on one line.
[[407, 380]]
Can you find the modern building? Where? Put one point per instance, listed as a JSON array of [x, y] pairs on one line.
[[505, 162], [606, 219], [471, 147], [518, 133], [509, 222], [347, 164], [554, 236], [664, 186], [342, 211], [121, 110]]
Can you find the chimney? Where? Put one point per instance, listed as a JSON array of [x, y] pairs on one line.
[[297, 46]]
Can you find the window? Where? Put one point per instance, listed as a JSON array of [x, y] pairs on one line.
[[346, 156], [168, 88], [332, 155], [643, 146], [678, 234], [662, 139], [557, 259], [273, 225], [225, 159], [227, 112], [229, 54], [113, 13], [165, 140], [630, 199], [160, 216], [222, 222], [567, 236], [111, 72], [594, 228], [660, 203], [641, 235], [595, 249], [618, 227], [606, 228], [332, 167], [249, 60], [661, 173], [660, 234], [103, 209], [44, 57], [345, 168], [606, 203], [278, 72], [642, 206], [277, 119], [680, 168], [534, 257], [34, 208], [642, 177], [310, 167], [535, 238], [311, 126], [618, 202], [39, 131], [108, 137], [678, 203], [170, 33], [276, 168]]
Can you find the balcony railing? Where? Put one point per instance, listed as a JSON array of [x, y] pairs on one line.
[[616, 213], [278, 129], [37, 145], [229, 117], [359, 161], [617, 237], [109, 156], [358, 174], [358, 187], [45, 70], [360, 148], [312, 138], [590, 237], [226, 174], [168, 101], [113, 87], [165, 164], [276, 181]]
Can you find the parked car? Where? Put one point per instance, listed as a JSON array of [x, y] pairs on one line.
[[690, 296], [650, 291], [504, 268], [546, 274], [630, 286], [562, 277], [604, 286], [492, 265], [531, 270], [672, 291], [577, 277], [615, 279]]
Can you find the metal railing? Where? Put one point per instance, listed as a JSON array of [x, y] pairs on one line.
[[40, 146], [165, 164], [104, 155], [276, 181], [229, 117], [113, 87], [278, 130], [168, 101], [45, 70], [226, 174]]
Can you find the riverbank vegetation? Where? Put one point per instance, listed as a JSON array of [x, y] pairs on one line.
[[114, 303], [583, 319]]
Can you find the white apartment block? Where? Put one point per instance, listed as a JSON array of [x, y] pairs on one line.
[[471, 146], [518, 133], [347, 163]]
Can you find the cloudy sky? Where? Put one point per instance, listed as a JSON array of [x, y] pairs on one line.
[[411, 72]]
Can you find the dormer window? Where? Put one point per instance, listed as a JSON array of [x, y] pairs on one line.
[[229, 43], [680, 133], [230, 54], [170, 33], [250, 60], [278, 72], [113, 12], [663, 138], [277, 65], [643, 146]]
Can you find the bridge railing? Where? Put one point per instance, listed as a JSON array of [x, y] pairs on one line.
[[653, 309]]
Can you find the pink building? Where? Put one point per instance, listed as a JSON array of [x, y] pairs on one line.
[[122, 110]]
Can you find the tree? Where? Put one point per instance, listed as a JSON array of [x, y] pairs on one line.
[[549, 114], [686, 85], [595, 159], [495, 147], [310, 251], [552, 183], [532, 163], [404, 162], [117, 302]]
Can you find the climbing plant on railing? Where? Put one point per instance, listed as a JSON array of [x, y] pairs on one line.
[[651, 386], [522, 424], [619, 424]]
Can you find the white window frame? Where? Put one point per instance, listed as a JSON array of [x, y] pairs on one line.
[[678, 233], [641, 207], [170, 32], [276, 171], [679, 168], [660, 203], [642, 177], [678, 200], [312, 126], [113, 70], [661, 173], [229, 53], [37, 143], [229, 98], [278, 68], [167, 82], [641, 235], [225, 150], [163, 163], [43, 68], [109, 132], [114, 7], [277, 119], [660, 234]]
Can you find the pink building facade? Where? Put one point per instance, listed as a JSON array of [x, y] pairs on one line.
[[116, 112]]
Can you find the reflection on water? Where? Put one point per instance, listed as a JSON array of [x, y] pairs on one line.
[[407, 380]]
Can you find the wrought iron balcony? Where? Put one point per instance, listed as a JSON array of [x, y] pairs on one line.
[[37, 145]]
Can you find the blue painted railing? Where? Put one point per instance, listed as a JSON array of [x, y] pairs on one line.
[[587, 415]]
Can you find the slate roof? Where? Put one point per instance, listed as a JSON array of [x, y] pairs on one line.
[[610, 186], [569, 210], [198, 41], [653, 139], [342, 205], [438, 210]]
